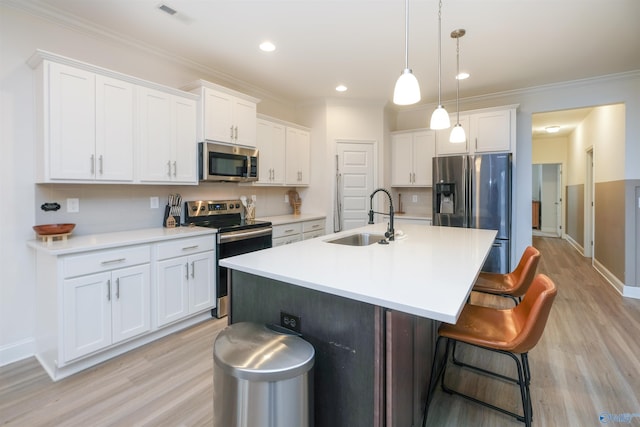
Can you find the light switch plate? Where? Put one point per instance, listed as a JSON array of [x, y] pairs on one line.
[[154, 202], [414, 198], [73, 205]]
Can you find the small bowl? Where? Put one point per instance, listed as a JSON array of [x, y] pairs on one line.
[[50, 229]]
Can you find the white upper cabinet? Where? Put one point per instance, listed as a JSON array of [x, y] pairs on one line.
[[491, 131], [271, 144], [411, 154], [90, 128], [298, 162], [167, 125], [488, 130], [87, 126], [225, 115]]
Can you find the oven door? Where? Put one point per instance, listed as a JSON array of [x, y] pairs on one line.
[[231, 244]]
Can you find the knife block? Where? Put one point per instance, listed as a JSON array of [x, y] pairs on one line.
[[170, 221]]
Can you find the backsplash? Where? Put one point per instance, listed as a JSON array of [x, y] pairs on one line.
[[108, 208], [422, 204]]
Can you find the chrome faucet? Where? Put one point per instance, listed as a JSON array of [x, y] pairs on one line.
[[390, 232]]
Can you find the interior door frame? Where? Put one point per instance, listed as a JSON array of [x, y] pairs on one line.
[[375, 146], [589, 205]]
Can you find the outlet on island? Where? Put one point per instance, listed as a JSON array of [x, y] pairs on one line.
[[290, 321]]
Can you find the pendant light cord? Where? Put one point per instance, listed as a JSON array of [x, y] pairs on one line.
[[439, 53], [458, 80], [406, 35]]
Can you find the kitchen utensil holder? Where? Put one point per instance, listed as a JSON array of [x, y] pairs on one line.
[[296, 207], [170, 221], [250, 213]]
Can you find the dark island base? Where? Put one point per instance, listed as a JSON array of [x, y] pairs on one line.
[[372, 364]]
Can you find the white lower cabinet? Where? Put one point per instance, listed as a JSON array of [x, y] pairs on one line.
[[94, 304], [185, 283], [284, 234], [105, 308]]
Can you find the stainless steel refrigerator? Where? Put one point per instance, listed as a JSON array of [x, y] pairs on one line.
[[475, 192]]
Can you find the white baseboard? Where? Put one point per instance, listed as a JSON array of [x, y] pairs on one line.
[[17, 351], [575, 244], [631, 292], [609, 277]]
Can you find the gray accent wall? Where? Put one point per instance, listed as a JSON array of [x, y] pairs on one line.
[[609, 227], [575, 213]]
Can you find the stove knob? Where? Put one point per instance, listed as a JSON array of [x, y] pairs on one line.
[[202, 208], [194, 208], [237, 205]]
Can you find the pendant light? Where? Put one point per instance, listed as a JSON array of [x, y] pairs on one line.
[[457, 133], [407, 90], [440, 117]]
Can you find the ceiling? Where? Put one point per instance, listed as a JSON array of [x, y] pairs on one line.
[[509, 44]]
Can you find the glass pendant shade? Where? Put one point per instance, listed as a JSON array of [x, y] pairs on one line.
[[457, 134], [407, 90], [440, 119]]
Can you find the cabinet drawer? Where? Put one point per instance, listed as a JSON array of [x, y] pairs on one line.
[[286, 240], [312, 234], [180, 247], [287, 229], [316, 225], [95, 262]]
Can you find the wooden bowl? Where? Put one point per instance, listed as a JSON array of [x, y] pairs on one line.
[[50, 229]]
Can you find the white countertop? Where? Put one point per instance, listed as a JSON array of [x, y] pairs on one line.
[[288, 219], [429, 272], [90, 242]]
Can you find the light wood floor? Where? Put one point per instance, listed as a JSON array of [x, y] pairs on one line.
[[587, 363]]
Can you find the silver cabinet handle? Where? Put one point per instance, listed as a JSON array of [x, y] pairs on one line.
[[476, 142], [101, 164], [112, 261], [231, 130], [236, 133], [93, 164], [315, 226], [169, 168], [118, 288], [193, 270], [109, 290], [188, 248], [289, 231], [175, 168], [186, 266]]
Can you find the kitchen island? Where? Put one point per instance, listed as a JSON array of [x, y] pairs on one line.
[[371, 312]]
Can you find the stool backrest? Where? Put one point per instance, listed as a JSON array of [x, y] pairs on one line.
[[523, 275], [533, 312]]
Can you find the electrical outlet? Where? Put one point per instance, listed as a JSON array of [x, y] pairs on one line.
[[290, 321], [154, 202], [414, 198], [73, 205], [286, 198]]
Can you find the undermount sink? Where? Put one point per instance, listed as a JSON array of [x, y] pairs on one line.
[[360, 239]]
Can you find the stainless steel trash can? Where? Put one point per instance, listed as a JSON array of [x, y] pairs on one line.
[[261, 378]]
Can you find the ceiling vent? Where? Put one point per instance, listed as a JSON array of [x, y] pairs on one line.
[[167, 9]]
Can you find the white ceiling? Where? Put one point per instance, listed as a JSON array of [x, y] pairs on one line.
[[510, 44]]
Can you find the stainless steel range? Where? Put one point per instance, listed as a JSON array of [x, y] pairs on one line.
[[235, 236]]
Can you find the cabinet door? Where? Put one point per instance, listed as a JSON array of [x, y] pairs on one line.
[[71, 130], [114, 129], [424, 144], [131, 314], [173, 290], [401, 158], [244, 122], [218, 116], [184, 155], [270, 141], [491, 131], [444, 147], [156, 137], [86, 314], [298, 147], [201, 282]]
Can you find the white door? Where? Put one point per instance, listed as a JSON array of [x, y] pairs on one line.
[[551, 199], [201, 282], [131, 314], [173, 290], [355, 181]]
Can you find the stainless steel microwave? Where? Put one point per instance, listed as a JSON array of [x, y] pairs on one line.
[[227, 163]]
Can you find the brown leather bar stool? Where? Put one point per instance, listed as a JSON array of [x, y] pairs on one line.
[[509, 331], [512, 285]]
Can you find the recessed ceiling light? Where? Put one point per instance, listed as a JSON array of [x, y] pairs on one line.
[[267, 46], [341, 88], [462, 76], [552, 129]]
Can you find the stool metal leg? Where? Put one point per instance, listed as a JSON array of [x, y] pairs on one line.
[[437, 370]]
